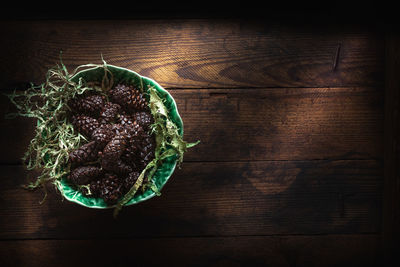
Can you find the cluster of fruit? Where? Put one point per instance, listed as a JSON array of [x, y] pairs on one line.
[[120, 142]]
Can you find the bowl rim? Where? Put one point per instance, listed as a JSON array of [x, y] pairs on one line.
[[73, 199]]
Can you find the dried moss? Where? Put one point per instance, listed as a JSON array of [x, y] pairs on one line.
[[55, 136], [168, 143]]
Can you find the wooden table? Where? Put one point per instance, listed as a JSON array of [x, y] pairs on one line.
[[291, 166]]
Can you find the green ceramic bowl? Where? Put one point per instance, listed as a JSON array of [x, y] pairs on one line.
[[164, 172]]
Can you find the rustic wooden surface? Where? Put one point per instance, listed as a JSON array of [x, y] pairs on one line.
[[269, 124], [391, 207], [291, 164]]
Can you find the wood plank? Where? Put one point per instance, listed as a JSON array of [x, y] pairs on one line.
[[260, 124], [208, 199], [330, 250], [199, 53], [391, 208]]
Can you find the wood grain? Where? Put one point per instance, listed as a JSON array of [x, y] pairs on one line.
[[259, 124], [333, 250], [236, 198], [198, 53]]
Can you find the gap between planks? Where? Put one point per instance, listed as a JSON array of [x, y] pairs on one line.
[[273, 87], [7, 164], [368, 87], [196, 236]]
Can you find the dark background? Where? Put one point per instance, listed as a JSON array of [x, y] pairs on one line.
[[356, 11], [296, 105]]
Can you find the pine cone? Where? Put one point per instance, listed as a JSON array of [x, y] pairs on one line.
[[139, 102], [95, 188], [133, 146], [120, 94], [86, 153], [121, 168], [127, 120], [128, 97], [111, 155], [89, 105], [85, 174], [109, 112], [118, 129], [85, 124], [130, 156], [111, 189], [146, 153], [130, 181], [113, 150], [126, 129], [140, 150], [118, 167], [103, 135], [119, 140], [144, 119]]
